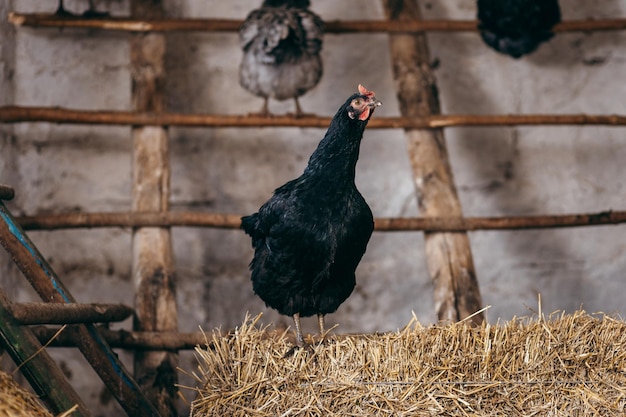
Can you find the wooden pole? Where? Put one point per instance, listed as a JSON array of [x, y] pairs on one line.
[[123, 339], [331, 26], [56, 313], [382, 224], [19, 114], [448, 255], [153, 271]]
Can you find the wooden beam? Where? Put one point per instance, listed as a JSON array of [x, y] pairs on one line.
[[382, 224], [20, 114], [461, 224], [56, 313], [153, 270], [332, 26], [131, 219], [123, 339], [448, 255]]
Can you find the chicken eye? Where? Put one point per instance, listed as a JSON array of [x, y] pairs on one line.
[[357, 102]]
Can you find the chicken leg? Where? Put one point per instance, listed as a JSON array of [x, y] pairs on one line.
[[265, 109], [299, 112], [298, 108], [61, 10], [92, 12], [299, 337], [320, 322]]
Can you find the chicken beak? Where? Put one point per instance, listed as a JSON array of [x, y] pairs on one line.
[[374, 103], [369, 107]]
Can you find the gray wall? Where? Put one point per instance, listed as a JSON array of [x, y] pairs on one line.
[[9, 276], [499, 171]]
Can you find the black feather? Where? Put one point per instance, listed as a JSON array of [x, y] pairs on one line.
[[309, 237], [517, 27]]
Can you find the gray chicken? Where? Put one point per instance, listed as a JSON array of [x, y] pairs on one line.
[[281, 44], [89, 13]]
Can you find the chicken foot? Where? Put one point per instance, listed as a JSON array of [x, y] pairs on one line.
[[299, 113]]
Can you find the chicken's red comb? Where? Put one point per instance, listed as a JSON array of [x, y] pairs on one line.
[[363, 91]]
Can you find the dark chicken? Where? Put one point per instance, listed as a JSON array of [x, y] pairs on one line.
[[309, 237], [281, 44], [89, 13], [517, 27]]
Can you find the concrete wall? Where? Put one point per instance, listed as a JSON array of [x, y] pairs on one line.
[[499, 171], [9, 276]]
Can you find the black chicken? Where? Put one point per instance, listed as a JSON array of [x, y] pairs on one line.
[[281, 44], [309, 237], [89, 13], [517, 27]]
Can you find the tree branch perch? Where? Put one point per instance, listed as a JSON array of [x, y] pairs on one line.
[[40, 20], [19, 114], [233, 221]]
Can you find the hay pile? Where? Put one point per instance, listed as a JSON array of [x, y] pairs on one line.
[[15, 401], [563, 365]]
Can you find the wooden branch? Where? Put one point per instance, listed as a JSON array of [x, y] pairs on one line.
[[448, 255], [460, 224], [17, 114], [332, 26], [6, 192], [233, 221], [54, 313], [171, 341], [130, 219]]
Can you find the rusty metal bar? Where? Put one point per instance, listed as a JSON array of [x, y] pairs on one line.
[[19, 114], [86, 336], [6, 192], [36, 364], [383, 224], [331, 26], [55, 313]]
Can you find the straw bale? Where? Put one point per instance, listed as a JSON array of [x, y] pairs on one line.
[[15, 401], [562, 365]]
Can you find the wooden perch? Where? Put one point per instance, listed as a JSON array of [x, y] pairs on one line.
[[171, 341], [461, 224], [448, 255], [233, 221], [123, 339], [130, 219], [18, 114], [50, 313], [232, 25]]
